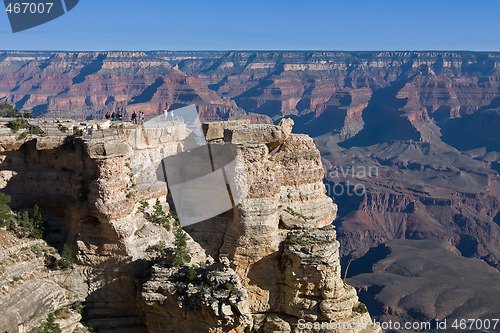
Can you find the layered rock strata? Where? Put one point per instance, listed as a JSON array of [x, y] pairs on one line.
[[278, 256], [278, 240], [88, 190]]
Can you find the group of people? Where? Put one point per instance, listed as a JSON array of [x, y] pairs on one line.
[[114, 116], [135, 118]]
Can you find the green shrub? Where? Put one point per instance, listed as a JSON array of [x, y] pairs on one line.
[[175, 218], [80, 308], [36, 249], [292, 212], [22, 135], [304, 237], [77, 133], [228, 286], [138, 231], [50, 326], [36, 130], [4, 108], [66, 260], [12, 113], [17, 124], [158, 216], [27, 114], [361, 308], [191, 274], [299, 238], [144, 204], [158, 210]]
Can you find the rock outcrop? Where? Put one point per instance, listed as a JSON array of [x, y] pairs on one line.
[[29, 292], [88, 190], [278, 239], [278, 254]]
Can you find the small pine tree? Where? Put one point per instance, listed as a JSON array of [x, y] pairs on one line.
[[38, 224], [37, 214], [191, 274], [4, 108], [25, 224], [66, 260], [159, 217], [6, 215], [181, 255], [158, 210]]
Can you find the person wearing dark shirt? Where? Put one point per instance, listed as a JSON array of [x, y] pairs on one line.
[[134, 117], [107, 115]]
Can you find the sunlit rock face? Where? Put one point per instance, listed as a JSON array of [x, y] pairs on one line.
[[276, 253]]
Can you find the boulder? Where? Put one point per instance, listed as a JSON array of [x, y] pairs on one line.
[[271, 135]]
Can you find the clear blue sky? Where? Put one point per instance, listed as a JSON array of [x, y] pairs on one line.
[[265, 25]]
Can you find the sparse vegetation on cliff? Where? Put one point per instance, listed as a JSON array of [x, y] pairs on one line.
[[22, 135], [49, 326], [36, 250], [78, 133], [17, 124], [181, 255], [158, 216], [66, 260], [292, 212], [305, 237], [5, 212], [361, 308], [191, 275], [23, 225]]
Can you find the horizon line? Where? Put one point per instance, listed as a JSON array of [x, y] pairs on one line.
[[257, 50]]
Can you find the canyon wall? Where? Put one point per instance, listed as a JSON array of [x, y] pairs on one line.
[[277, 257]]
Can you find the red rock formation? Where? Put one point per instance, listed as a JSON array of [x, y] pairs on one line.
[[86, 85]]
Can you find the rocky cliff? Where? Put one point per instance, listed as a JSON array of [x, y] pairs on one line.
[[417, 132], [277, 255]]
